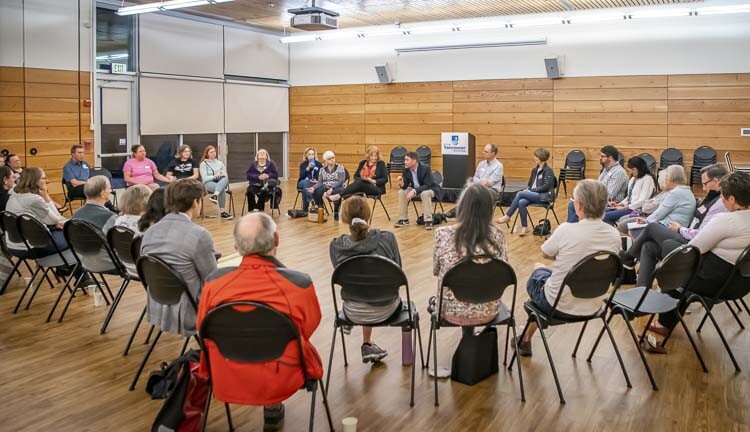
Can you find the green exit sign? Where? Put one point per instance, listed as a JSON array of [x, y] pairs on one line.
[[119, 68]]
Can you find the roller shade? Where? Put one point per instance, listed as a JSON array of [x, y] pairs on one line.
[[253, 54], [254, 108], [173, 106]]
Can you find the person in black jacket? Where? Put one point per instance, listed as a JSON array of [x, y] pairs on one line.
[[540, 188], [6, 176], [416, 179], [371, 175]]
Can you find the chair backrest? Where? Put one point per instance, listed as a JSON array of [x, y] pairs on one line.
[[479, 279], [592, 276], [368, 279], [91, 247], [728, 160], [575, 159], [704, 155], [650, 162], [621, 159], [425, 154], [676, 269], [64, 188], [398, 154], [101, 171], [135, 249], [737, 285], [164, 285], [35, 233], [437, 177], [120, 239], [9, 224], [670, 156]]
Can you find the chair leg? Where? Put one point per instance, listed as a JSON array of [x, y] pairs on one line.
[[723, 339], [551, 361], [72, 294], [145, 359], [384, 209], [580, 336], [413, 361], [599, 338], [148, 336], [343, 346], [33, 293], [617, 351], [324, 393], [135, 330], [505, 353], [372, 211], [703, 321], [434, 359], [645, 329], [640, 351], [518, 359], [115, 302], [515, 352], [207, 406], [184, 346], [734, 314], [330, 358], [229, 417], [692, 342], [66, 287], [421, 353], [429, 346], [742, 301], [26, 289], [554, 213], [312, 408]]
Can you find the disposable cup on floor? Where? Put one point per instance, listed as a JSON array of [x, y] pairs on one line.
[[26, 280], [442, 372], [350, 424]]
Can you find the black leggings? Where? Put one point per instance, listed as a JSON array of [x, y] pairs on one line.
[[262, 195], [361, 186]]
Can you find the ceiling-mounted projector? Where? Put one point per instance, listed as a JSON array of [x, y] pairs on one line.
[[314, 18]]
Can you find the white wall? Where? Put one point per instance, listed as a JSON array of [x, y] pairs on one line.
[[11, 33], [688, 45], [51, 34]]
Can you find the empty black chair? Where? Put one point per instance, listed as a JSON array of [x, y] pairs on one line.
[[252, 332], [736, 287], [9, 232], [650, 162], [478, 279], [592, 277], [166, 287], [702, 157], [670, 156], [396, 162], [373, 279], [548, 206], [437, 200], [574, 169], [672, 273], [425, 155]]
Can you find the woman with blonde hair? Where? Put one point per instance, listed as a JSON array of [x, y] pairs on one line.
[[308, 174], [183, 165], [132, 205], [362, 240], [215, 180], [371, 175], [263, 181]]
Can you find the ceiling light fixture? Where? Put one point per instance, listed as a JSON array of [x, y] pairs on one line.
[[165, 5], [542, 41]]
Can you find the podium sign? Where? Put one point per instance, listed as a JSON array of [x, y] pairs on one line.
[[458, 149]]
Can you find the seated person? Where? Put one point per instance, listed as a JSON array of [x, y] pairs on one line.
[[679, 204], [720, 241], [215, 179], [186, 247], [263, 179], [75, 172], [6, 174], [97, 190], [567, 245], [416, 179], [489, 172], [648, 207], [308, 174], [156, 209], [472, 234], [14, 162], [262, 278], [613, 177], [141, 170], [540, 188], [640, 188], [183, 165], [370, 176], [647, 247], [133, 204], [330, 183], [365, 241]]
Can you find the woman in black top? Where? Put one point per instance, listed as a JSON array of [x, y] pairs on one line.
[[371, 175], [183, 165], [6, 174], [540, 188]]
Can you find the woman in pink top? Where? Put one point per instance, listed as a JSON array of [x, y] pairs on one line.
[[141, 170]]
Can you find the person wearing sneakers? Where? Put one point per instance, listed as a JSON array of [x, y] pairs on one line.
[[215, 179], [539, 190], [365, 241], [416, 179], [567, 245], [330, 183]]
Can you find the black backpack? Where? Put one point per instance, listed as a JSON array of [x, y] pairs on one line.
[[544, 228], [437, 219], [161, 383]]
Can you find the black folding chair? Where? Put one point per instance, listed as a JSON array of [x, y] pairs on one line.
[[252, 332], [574, 169], [424, 153], [273, 202], [9, 232], [673, 272], [396, 163], [373, 279], [670, 156], [437, 178], [95, 256], [548, 206], [736, 287], [702, 157], [165, 287], [127, 246], [650, 162], [475, 280], [230, 196], [591, 277], [499, 202], [68, 204]]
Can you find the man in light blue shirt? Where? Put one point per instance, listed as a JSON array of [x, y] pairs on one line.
[[76, 172], [490, 171]]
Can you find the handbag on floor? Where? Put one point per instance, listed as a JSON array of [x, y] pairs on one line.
[[476, 357], [185, 395]]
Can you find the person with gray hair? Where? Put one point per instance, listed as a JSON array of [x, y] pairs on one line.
[[330, 183], [566, 246], [97, 190], [261, 278]]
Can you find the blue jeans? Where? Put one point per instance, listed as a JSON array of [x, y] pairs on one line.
[[520, 201], [612, 215], [535, 288], [220, 188], [302, 186], [572, 216]]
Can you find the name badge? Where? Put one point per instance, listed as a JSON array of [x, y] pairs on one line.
[[84, 166], [702, 209]]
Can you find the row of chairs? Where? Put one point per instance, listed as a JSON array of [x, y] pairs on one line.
[[397, 158]]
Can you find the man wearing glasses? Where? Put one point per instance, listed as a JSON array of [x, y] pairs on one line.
[[613, 177], [490, 171]]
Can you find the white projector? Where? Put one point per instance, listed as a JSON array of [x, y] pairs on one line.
[[314, 18]]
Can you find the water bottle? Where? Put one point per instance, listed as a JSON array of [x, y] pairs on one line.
[[406, 346]]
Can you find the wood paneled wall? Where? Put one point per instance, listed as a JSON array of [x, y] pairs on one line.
[[637, 114], [42, 114]]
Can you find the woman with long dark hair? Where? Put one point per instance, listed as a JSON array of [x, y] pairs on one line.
[[155, 210], [640, 188], [473, 234]]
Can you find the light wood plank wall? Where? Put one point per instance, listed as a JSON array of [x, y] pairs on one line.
[[42, 111], [637, 114]]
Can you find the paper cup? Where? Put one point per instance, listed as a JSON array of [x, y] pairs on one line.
[[350, 424]]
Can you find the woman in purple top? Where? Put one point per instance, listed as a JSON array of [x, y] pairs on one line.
[[263, 179]]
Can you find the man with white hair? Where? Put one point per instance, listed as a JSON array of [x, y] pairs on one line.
[[261, 278], [97, 190]]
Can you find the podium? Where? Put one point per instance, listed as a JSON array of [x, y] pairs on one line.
[[459, 160]]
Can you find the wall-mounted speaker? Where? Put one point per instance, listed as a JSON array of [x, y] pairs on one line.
[[382, 72], [552, 66]]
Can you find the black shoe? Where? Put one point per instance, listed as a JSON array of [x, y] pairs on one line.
[[226, 216], [524, 348], [428, 225], [628, 261], [401, 223], [273, 417]]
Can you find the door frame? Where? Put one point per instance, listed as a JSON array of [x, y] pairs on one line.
[[128, 82]]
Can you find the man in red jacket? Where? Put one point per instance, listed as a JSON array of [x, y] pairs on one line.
[[261, 278]]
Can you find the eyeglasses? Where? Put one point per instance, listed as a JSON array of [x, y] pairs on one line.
[[705, 183]]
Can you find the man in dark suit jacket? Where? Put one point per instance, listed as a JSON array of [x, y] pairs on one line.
[[416, 179]]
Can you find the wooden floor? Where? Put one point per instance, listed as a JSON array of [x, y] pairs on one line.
[[67, 377]]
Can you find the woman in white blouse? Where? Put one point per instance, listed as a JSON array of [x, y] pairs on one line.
[[640, 188], [32, 198]]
